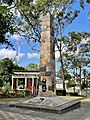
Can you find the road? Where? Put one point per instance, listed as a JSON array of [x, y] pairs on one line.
[[8, 113]]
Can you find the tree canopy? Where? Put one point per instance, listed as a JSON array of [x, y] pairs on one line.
[[62, 12], [6, 25], [6, 70], [32, 66]]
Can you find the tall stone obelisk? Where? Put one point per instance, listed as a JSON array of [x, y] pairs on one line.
[[47, 57]]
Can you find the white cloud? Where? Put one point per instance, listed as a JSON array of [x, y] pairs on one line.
[[5, 53], [57, 54], [21, 55], [11, 54], [36, 55], [33, 55], [15, 36]]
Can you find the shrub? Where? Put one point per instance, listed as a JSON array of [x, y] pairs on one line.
[[73, 94], [61, 92], [12, 93], [22, 93], [6, 90]]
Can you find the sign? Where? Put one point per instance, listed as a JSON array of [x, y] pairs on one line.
[[43, 69], [48, 73]]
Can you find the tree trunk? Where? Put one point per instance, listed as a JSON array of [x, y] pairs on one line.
[[74, 79], [80, 81], [62, 66]]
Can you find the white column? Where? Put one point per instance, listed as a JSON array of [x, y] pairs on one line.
[[25, 83], [12, 82], [32, 84]]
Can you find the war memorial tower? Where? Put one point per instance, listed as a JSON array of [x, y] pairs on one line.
[[47, 57], [47, 100]]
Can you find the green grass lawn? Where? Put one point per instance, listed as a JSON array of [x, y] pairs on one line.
[[85, 102], [14, 99]]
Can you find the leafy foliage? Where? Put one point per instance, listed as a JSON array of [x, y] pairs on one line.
[[6, 70], [6, 90], [31, 28], [67, 75], [32, 66], [77, 55], [6, 24], [77, 49], [17, 68], [62, 12]]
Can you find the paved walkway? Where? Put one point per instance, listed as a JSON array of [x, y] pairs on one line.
[[86, 100], [7, 113], [4, 115]]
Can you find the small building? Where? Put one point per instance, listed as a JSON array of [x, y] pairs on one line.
[[59, 83], [26, 80], [29, 81]]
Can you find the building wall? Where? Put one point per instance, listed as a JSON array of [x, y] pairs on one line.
[[27, 81]]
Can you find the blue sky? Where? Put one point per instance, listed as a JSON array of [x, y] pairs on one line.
[[26, 55]]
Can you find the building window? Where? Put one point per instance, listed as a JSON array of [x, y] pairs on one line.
[[21, 83]]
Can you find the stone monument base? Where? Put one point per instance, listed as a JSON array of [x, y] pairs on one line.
[[52, 104]]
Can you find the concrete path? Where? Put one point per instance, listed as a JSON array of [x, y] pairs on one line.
[[4, 115], [8, 113]]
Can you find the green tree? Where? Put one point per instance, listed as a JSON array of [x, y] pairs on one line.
[[77, 54], [6, 70], [62, 13], [32, 15], [18, 68], [32, 66], [67, 75], [6, 25], [31, 28]]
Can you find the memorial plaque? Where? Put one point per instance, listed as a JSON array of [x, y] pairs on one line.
[[48, 73], [42, 69]]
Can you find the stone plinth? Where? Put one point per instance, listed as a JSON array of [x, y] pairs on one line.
[[49, 104]]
